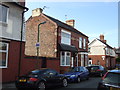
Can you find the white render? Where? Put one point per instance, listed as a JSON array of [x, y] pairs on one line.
[[12, 29], [98, 48]]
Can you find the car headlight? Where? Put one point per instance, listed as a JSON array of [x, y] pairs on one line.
[[72, 75]]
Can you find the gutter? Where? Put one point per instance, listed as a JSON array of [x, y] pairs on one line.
[[20, 56]]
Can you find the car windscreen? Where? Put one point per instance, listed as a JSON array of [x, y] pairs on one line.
[[73, 69], [94, 68], [35, 73], [113, 78]]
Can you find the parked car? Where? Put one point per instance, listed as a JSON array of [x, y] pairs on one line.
[[96, 70], [110, 81], [43, 78], [77, 74], [117, 66]]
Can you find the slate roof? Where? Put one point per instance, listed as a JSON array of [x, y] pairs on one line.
[[105, 43], [64, 25]]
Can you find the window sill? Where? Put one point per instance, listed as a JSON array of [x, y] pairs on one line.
[[64, 65], [3, 67], [4, 24]]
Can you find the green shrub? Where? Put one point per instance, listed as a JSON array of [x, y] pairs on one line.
[[118, 60]]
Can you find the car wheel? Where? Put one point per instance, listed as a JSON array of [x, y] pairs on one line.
[[78, 79], [41, 86], [64, 83]]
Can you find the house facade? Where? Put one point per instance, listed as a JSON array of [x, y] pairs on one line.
[[11, 25], [100, 53], [117, 50], [48, 37]]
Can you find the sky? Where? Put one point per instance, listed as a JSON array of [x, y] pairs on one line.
[[91, 18]]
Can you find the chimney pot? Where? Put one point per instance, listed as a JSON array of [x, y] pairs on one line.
[[70, 22], [102, 38]]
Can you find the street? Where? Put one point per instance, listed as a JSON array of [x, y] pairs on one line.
[[86, 84]]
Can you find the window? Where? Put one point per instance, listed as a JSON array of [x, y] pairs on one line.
[[84, 43], [65, 59], [89, 49], [4, 13], [80, 42], [65, 37], [3, 54]]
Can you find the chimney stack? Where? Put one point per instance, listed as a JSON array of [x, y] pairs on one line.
[[36, 12], [70, 22], [102, 38]]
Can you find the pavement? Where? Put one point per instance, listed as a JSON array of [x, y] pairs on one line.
[[8, 85]]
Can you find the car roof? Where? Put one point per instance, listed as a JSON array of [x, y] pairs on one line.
[[93, 65], [42, 69], [115, 71]]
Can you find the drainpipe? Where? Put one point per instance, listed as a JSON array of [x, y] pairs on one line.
[[20, 53]]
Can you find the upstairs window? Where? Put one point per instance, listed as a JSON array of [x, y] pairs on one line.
[[3, 13], [65, 37], [84, 43], [80, 42], [3, 54]]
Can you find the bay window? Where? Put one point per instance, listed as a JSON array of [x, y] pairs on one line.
[[65, 59]]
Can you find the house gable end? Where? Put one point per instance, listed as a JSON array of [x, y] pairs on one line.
[[96, 42]]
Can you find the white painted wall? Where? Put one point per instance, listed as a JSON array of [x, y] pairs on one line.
[[97, 48], [12, 28]]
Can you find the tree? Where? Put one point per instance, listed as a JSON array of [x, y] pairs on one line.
[[118, 60]]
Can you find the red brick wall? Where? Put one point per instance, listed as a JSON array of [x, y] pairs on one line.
[[111, 60], [74, 39], [54, 64], [63, 69], [9, 74], [27, 63], [48, 37], [95, 58]]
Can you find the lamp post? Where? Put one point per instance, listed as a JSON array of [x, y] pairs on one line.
[[38, 44]]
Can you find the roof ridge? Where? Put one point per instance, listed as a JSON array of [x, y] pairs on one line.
[[68, 26], [105, 43]]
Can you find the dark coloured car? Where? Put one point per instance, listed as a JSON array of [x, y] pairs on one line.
[[110, 81], [77, 74], [117, 66], [43, 78], [96, 70]]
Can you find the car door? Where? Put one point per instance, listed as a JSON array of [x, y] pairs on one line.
[[54, 78], [82, 73], [86, 72]]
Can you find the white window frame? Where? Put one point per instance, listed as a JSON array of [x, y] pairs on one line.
[[82, 59], [6, 15], [84, 43], [5, 51], [62, 38], [65, 53], [80, 42]]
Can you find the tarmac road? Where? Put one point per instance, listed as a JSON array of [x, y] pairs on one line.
[[90, 84]]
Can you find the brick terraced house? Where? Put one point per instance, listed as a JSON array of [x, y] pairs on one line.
[[100, 53], [11, 25], [58, 40]]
